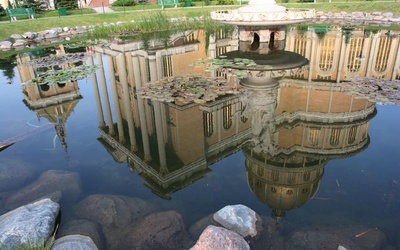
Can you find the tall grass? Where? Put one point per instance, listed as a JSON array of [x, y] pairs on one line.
[[156, 22]]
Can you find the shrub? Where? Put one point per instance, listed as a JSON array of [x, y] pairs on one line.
[[67, 4], [124, 3], [2, 12], [225, 2], [39, 7]]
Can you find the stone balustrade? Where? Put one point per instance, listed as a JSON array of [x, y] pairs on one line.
[[237, 17]]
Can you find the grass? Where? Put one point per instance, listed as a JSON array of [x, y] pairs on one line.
[[86, 17]]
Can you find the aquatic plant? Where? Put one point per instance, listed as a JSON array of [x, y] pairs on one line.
[[379, 91], [57, 60], [238, 66], [86, 43], [64, 75], [153, 23], [187, 89]]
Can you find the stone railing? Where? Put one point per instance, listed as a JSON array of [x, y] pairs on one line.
[[236, 17]]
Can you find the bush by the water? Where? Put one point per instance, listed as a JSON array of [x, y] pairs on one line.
[[124, 3], [225, 2], [67, 4]]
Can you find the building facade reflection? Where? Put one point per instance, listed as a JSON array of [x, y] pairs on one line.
[[171, 145], [305, 127], [53, 101]]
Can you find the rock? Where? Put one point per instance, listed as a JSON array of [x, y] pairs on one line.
[[16, 36], [67, 182], [20, 43], [220, 238], [84, 227], [13, 173], [330, 237], [268, 235], [28, 225], [238, 218], [113, 211], [74, 242], [29, 35], [164, 230], [117, 215], [387, 14], [198, 227]]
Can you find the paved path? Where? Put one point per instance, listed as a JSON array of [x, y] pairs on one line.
[[104, 9]]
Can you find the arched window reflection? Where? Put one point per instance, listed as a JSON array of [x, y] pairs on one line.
[[260, 171], [44, 87], [313, 136], [291, 178], [167, 65], [306, 176], [208, 124], [352, 135], [275, 175], [243, 118], [335, 137], [227, 116]]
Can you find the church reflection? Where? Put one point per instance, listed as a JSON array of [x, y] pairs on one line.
[[169, 144], [54, 102], [296, 135], [305, 120]]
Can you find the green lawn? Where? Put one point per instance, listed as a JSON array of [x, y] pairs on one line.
[[81, 17]]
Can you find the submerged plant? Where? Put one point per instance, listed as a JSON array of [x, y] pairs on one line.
[[51, 77], [187, 89], [379, 91], [57, 60], [240, 65]]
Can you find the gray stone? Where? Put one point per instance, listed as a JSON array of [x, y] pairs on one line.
[[387, 14], [113, 211], [28, 225], [74, 242], [67, 182], [329, 238], [16, 36], [29, 35], [198, 227], [13, 173], [84, 227], [5, 45], [164, 230], [238, 218], [220, 238], [20, 42]]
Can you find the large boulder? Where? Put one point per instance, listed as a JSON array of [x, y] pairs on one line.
[[165, 230], [74, 242], [14, 174], [84, 227], [238, 218], [69, 183], [117, 215], [113, 211], [29, 225], [354, 238], [220, 238]]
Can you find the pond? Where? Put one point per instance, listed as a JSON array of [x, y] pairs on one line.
[[315, 151]]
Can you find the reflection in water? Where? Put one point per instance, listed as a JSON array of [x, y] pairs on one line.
[[294, 127], [287, 131], [293, 139], [54, 100]]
